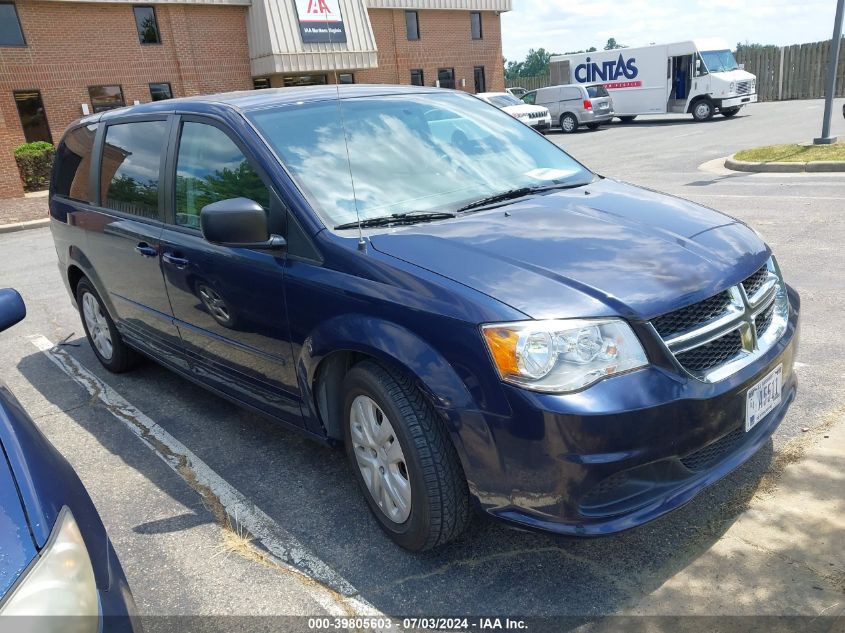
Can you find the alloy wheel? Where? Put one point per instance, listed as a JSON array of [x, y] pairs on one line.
[[98, 325]]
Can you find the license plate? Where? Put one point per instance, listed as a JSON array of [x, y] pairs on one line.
[[603, 106], [763, 397]]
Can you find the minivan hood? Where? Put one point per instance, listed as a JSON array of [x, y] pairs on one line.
[[524, 109], [604, 249]]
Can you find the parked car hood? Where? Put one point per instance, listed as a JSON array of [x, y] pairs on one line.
[[516, 110], [17, 549], [604, 249]]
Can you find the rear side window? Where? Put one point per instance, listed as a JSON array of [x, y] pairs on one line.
[[597, 91], [73, 164], [130, 167], [210, 168]]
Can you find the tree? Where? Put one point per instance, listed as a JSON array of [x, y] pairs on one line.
[[613, 45], [536, 63]]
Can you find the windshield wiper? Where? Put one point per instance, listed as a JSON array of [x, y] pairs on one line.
[[396, 219], [519, 192]]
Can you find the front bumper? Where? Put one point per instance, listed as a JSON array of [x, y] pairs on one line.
[[738, 101], [541, 124], [620, 453]]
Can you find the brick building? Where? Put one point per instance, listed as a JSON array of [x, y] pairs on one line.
[[61, 59]]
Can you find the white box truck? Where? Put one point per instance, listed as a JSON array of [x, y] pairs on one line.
[[697, 77]]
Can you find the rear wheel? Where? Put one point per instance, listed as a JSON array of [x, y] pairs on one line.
[[729, 112], [568, 123], [102, 334], [593, 126], [403, 459], [702, 110], [628, 118]]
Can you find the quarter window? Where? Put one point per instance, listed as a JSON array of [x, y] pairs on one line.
[[130, 167], [32, 115], [73, 164], [475, 25], [106, 97], [209, 168], [417, 77], [147, 25], [160, 92], [11, 33], [412, 25]]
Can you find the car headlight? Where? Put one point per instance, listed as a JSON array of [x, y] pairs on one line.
[[564, 355], [60, 583], [733, 87]]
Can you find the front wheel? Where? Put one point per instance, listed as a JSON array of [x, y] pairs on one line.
[[568, 123], [702, 110], [403, 459], [729, 112]]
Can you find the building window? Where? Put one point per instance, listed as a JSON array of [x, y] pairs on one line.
[[106, 97], [446, 77], [11, 33], [130, 167], [417, 77], [260, 83], [480, 80], [346, 78], [305, 80], [73, 164], [475, 23], [160, 92], [145, 20], [412, 25], [32, 115]]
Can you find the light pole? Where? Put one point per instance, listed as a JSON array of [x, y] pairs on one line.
[[826, 138]]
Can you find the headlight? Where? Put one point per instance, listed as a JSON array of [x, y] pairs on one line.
[[733, 87], [562, 356], [60, 583]]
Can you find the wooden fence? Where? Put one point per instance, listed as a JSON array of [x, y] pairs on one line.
[[785, 72], [792, 72]]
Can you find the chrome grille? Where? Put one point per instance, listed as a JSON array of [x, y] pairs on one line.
[[745, 87], [715, 337]]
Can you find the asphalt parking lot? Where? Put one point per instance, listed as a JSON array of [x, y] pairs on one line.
[[164, 515]]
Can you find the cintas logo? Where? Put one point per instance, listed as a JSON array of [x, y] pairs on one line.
[[607, 71]]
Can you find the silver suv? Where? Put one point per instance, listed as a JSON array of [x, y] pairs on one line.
[[573, 105]]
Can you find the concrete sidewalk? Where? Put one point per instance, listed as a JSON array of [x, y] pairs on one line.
[[785, 552], [17, 214]]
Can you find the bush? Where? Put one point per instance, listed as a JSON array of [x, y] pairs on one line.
[[35, 160]]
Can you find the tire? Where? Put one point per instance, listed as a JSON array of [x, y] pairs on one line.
[[729, 112], [437, 508], [593, 126], [117, 358], [568, 123], [628, 118], [702, 110]]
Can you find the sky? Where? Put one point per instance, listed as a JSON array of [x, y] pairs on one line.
[[570, 25]]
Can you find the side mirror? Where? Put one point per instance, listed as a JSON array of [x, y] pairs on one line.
[[238, 223], [12, 308]]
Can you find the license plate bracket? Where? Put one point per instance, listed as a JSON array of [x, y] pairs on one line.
[[762, 398]]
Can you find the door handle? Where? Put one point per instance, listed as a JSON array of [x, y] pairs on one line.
[[146, 250], [178, 262]]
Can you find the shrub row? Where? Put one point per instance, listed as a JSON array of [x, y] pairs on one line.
[[35, 160]]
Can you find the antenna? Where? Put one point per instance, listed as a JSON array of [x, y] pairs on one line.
[[362, 244]]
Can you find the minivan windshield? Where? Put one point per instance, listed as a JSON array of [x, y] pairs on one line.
[[409, 153], [719, 61]]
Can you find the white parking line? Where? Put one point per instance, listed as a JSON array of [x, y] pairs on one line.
[[341, 601], [687, 192]]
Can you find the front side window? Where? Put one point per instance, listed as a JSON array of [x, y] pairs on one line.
[[129, 172], [210, 168], [475, 25], [371, 157], [529, 97], [160, 92], [73, 164], [412, 25], [147, 25], [417, 77], [11, 33], [32, 115], [106, 97]]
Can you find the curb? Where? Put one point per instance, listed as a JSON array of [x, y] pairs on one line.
[[23, 226], [812, 166]]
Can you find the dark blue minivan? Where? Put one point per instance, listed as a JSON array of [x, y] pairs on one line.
[[481, 320]]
